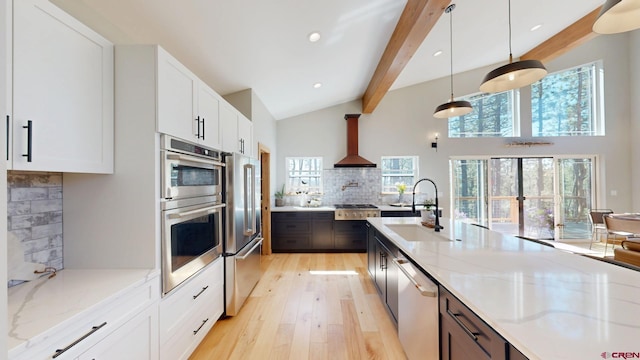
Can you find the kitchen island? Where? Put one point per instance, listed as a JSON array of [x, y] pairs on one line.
[[548, 303]]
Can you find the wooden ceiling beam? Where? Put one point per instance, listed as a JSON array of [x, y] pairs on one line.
[[571, 37], [416, 21]]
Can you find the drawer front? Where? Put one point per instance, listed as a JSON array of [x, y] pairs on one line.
[[323, 215], [351, 226], [289, 216], [290, 242], [462, 325], [351, 242], [286, 227], [199, 292]]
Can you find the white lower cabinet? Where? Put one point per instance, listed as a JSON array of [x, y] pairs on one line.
[[189, 311], [137, 339], [121, 326]]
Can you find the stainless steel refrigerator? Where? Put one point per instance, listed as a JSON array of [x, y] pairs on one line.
[[243, 238]]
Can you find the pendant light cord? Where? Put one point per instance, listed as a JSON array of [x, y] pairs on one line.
[[510, 51], [451, 50]]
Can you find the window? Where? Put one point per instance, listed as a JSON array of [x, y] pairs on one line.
[[568, 103], [493, 115], [398, 170], [304, 174]]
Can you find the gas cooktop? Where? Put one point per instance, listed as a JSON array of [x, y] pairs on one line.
[[355, 206]]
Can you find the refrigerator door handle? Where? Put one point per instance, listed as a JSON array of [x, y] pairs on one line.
[[249, 184], [250, 251]]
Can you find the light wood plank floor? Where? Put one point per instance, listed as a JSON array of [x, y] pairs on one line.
[[292, 314]]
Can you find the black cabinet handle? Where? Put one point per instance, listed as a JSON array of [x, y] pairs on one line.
[[202, 128], [198, 123], [29, 128], [200, 293], [201, 325], [8, 119], [63, 350], [471, 334]]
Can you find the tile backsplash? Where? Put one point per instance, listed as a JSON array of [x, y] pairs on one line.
[[354, 186], [34, 215]]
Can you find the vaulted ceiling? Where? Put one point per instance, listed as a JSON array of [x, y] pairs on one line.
[[263, 45]]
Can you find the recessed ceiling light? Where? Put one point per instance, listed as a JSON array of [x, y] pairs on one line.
[[317, 85], [437, 53], [536, 27], [314, 36]]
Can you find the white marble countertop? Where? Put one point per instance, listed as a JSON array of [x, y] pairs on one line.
[[548, 303], [44, 304]]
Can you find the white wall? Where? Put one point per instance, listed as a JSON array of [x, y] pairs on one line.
[[403, 124], [634, 95]]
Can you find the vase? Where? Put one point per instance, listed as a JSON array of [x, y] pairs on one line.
[[400, 198]]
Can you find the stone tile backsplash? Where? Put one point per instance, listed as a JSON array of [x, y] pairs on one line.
[[354, 186], [34, 215]]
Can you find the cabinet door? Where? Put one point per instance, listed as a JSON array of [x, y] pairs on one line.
[[371, 251], [322, 231], [245, 135], [63, 87], [5, 80], [381, 262], [463, 335], [229, 124], [209, 117], [137, 339], [177, 86]]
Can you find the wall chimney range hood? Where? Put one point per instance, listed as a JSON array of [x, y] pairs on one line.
[[353, 160]]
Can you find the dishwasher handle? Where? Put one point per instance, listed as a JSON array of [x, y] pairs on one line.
[[423, 290]]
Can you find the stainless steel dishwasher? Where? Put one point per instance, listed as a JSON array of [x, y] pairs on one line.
[[418, 327]]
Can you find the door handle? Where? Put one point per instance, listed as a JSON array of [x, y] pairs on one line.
[[203, 128], [250, 251], [29, 128], [423, 290]]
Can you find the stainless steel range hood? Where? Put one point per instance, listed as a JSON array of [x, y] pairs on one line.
[[353, 160]]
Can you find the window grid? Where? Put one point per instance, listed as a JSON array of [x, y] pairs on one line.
[[493, 115], [304, 175], [569, 102], [398, 170]]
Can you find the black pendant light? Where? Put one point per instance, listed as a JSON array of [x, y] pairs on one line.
[[452, 108], [513, 75], [618, 16]]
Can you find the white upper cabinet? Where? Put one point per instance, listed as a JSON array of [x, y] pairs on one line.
[[229, 123], [187, 107], [245, 135], [177, 100], [208, 105], [237, 131], [62, 92]]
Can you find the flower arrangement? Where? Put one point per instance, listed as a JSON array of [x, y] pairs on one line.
[[401, 187]]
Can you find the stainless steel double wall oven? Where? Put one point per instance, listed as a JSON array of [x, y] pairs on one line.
[[192, 209]]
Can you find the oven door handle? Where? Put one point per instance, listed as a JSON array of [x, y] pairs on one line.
[[249, 251], [204, 211], [194, 159]]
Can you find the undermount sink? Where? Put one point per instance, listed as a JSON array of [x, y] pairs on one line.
[[414, 232]]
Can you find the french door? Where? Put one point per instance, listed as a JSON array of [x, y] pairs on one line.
[[538, 197]]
